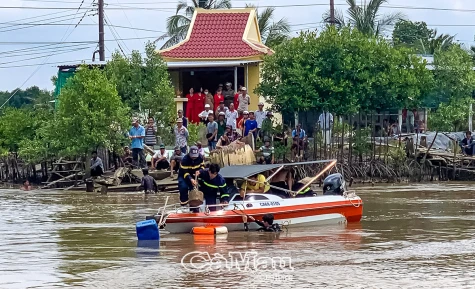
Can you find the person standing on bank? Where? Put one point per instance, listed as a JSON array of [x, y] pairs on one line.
[[325, 121], [185, 120], [189, 165], [210, 182], [260, 116], [137, 135], [244, 100], [211, 132], [231, 116], [228, 94], [181, 135], [151, 133]]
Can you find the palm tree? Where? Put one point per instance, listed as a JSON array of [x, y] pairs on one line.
[[178, 24], [272, 33], [438, 42], [366, 18]]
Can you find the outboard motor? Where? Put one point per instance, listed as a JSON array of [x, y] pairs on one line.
[[334, 184]]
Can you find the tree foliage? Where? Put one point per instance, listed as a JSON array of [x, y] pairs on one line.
[[342, 71], [178, 24], [454, 83], [143, 83], [417, 36], [28, 97], [366, 18], [272, 33], [90, 115]]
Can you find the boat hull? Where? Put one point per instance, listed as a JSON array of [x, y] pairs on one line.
[[298, 212]]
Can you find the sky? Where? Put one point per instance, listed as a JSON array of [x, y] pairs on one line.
[[25, 60]]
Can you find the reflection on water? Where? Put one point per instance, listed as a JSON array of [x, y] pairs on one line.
[[411, 236]]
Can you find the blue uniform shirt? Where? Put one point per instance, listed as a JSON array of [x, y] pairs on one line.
[[137, 143], [213, 186]]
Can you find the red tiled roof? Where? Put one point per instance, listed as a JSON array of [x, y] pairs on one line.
[[215, 35]]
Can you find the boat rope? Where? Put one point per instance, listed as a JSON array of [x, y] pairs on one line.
[[348, 195]]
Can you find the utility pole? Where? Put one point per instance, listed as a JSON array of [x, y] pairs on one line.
[[332, 12], [100, 6]]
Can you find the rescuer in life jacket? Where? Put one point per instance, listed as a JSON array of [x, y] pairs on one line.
[[210, 182], [189, 165], [307, 192]]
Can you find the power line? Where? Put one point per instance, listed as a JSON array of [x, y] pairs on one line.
[[82, 24], [49, 54], [68, 42]]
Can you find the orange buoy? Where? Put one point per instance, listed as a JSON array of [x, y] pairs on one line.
[[210, 230]]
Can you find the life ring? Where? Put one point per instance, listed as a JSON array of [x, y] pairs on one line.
[[210, 230]]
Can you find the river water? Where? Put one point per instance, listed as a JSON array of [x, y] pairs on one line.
[[411, 236]]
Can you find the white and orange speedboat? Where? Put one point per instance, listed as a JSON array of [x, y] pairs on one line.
[[336, 205]]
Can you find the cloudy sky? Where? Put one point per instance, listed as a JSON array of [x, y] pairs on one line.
[[30, 53]]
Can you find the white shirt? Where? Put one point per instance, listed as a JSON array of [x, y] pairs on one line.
[[231, 117], [159, 155], [205, 113], [325, 119], [260, 116]]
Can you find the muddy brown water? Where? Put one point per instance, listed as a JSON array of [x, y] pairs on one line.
[[411, 236]]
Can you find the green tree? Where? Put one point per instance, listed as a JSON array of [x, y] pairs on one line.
[[342, 71], [438, 43], [144, 83], [90, 115], [366, 18], [453, 74], [414, 35], [454, 82], [272, 33], [28, 97], [178, 24]]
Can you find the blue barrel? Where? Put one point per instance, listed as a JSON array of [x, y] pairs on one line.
[[147, 230]]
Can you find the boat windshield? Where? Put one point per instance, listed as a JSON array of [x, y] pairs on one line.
[[238, 198]]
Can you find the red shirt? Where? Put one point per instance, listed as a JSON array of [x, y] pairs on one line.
[[236, 100], [199, 102], [217, 99]]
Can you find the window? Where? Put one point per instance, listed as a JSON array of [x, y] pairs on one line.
[[238, 198]]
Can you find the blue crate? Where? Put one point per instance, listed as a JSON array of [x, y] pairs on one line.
[[147, 230]]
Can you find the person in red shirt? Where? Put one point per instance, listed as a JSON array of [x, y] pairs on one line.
[[236, 97], [199, 104], [189, 105], [218, 97]]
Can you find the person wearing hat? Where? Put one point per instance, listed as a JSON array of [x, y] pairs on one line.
[[242, 122], [209, 98], [205, 113], [308, 192], [218, 97], [221, 125], [228, 137], [260, 116], [160, 159], [228, 94], [267, 153], [189, 165], [221, 108], [185, 119], [181, 135], [267, 126], [201, 150], [210, 182], [137, 135], [244, 100], [175, 160]]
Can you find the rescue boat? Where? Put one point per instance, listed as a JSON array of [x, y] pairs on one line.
[[336, 205]]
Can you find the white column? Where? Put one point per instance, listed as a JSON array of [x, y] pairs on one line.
[[400, 120], [235, 78]]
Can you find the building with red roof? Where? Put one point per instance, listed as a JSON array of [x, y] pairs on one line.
[[222, 45]]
